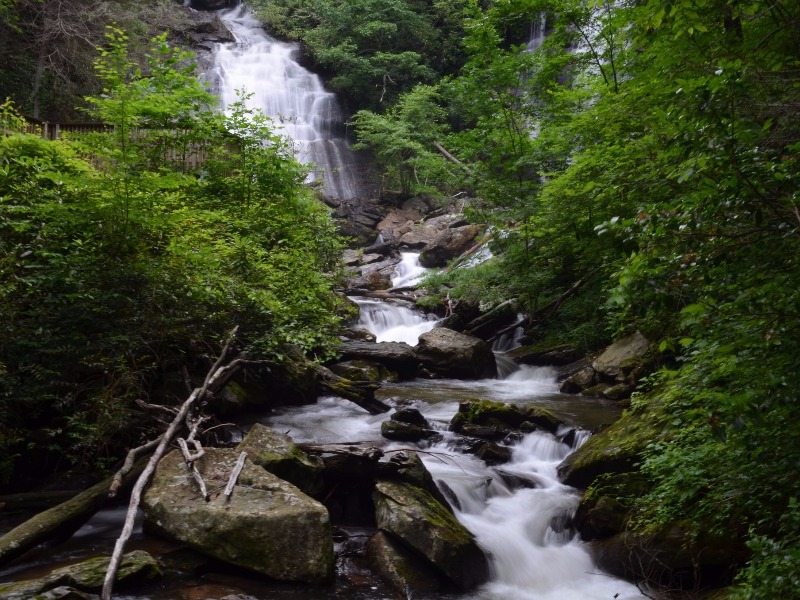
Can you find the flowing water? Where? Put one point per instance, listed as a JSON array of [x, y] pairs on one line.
[[291, 95]]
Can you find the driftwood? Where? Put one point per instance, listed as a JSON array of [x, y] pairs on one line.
[[360, 449], [216, 378], [62, 520], [237, 469], [127, 466]]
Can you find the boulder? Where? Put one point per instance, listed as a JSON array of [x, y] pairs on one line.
[[277, 453], [497, 318], [407, 467], [675, 555], [267, 525], [545, 356], [397, 223], [213, 4], [419, 236], [501, 417], [603, 509], [363, 370], [608, 364], [397, 356], [406, 432], [401, 568], [448, 353], [447, 244], [87, 575], [421, 522], [579, 381], [616, 449]]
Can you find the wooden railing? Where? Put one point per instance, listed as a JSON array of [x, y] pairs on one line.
[[191, 157]]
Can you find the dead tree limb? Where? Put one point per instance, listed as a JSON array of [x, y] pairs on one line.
[[190, 459], [215, 379], [235, 475], [451, 158], [128, 465], [62, 520]]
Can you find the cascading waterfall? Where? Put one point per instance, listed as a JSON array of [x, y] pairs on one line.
[[294, 97], [391, 322], [534, 555]]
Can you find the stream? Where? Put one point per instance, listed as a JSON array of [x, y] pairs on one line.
[[533, 553]]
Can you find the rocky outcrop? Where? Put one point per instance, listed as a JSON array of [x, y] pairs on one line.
[[408, 425], [277, 453], [447, 353], [447, 244], [85, 576], [401, 509], [603, 509], [267, 525]]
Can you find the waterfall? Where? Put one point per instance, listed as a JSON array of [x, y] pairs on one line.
[[392, 323], [537, 35], [289, 94]]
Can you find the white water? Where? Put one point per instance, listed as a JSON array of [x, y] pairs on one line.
[[533, 554], [392, 323], [294, 97], [408, 271]]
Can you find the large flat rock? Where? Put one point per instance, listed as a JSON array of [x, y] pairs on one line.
[[267, 525]]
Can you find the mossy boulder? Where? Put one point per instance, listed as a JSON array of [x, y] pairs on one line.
[[616, 449], [624, 351], [406, 432], [277, 453], [679, 555], [363, 370], [88, 575], [402, 568], [398, 357], [448, 244], [539, 355], [267, 525], [604, 507], [418, 519], [500, 416]]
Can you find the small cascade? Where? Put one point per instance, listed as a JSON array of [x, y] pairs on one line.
[[538, 32], [408, 271], [509, 340], [392, 323], [289, 94]]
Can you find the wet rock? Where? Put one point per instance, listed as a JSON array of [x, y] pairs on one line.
[[674, 555], [406, 432], [494, 454], [538, 356], [401, 568], [397, 356], [277, 453], [448, 353], [417, 518], [502, 416], [409, 468], [595, 390], [69, 582], [579, 381], [411, 416], [447, 244], [613, 450], [603, 509], [363, 370], [267, 525]]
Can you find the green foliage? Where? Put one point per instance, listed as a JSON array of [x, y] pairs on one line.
[[374, 50], [403, 141], [120, 261]]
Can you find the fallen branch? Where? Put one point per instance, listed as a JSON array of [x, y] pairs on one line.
[[63, 520], [190, 459], [235, 475], [116, 482], [360, 393], [451, 158], [215, 379]]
